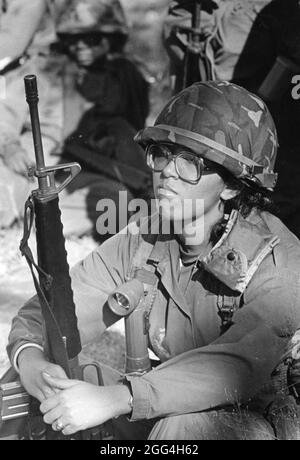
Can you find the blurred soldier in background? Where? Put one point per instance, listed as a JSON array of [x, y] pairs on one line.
[[19, 22], [224, 26], [25, 35], [255, 44], [106, 102], [85, 77], [104, 77]]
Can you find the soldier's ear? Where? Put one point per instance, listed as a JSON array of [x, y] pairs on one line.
[[228, 193]]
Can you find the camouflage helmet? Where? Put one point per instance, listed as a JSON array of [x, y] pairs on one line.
[[84, 16], [225, 124]]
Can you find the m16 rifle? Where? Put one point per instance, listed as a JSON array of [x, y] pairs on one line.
[[19, 416]]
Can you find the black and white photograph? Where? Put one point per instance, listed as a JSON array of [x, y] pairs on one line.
[[149, 223]]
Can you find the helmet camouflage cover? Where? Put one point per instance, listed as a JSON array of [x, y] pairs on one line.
[[223, 123], [80, 16]]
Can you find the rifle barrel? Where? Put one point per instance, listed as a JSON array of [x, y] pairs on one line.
[[32, 99], [196, 19]]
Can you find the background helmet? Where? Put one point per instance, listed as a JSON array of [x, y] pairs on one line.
[[223, 123], [84, 16]]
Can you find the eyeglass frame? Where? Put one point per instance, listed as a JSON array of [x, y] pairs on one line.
[[202, 166], [91, 39]]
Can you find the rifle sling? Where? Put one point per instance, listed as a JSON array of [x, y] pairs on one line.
[[57, 349]]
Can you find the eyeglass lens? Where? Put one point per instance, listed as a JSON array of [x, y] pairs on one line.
[[188, 165], [90, 39]]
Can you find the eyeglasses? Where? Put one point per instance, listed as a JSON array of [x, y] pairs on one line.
[[90, 39], [188, 165]]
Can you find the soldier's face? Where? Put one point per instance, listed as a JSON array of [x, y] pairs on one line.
[[180, 200], [87, 53]]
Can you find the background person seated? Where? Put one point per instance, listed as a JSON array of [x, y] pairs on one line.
[[68, 88]]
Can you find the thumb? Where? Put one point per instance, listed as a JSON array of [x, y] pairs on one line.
[[60, 383]]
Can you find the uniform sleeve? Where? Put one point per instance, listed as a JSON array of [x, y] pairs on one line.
[[93, 279], [13, 109], [19, 25], [233, 368]]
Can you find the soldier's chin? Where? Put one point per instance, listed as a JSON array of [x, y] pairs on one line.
[[170, 209], [84, 61]]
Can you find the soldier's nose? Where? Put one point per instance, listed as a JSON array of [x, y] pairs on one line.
[[170, 169], [81, 44]]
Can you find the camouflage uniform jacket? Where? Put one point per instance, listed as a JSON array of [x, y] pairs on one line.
[[255, 263]]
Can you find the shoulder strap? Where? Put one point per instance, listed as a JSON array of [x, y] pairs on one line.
[[138, 264], [139, 261], [139, 269]]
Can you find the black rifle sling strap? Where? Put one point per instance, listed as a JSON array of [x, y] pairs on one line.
[[60, 355], [144, 272]]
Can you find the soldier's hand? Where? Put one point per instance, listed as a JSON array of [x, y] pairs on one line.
[[80, 405], [32, 364], [17, 160]]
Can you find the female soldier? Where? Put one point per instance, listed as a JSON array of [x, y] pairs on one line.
[[224, 304]]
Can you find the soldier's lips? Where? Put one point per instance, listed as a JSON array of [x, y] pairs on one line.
[[84, 58], [165, 192]]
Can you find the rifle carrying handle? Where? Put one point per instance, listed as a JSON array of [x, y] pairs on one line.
[[73, 169]]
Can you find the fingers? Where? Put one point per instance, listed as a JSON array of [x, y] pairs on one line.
[[59, 383], [52, 415], [39, 395], [48, 392], [55, 371], [68, 430], [49, 404], [48, 389]]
